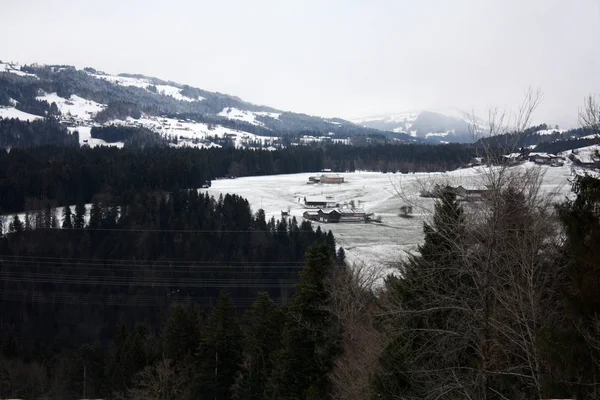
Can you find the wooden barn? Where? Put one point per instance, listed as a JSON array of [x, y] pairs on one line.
[[318, 202], [332, 178], [330, 215]]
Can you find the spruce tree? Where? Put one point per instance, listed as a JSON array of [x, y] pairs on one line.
[[79, 220], [67, 218], [580, 355], [16, 225], [310, 338], [428, 280], [181, 334], [262, 336], [219, 354]]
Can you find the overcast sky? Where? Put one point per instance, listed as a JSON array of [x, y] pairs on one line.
[[345, 58]]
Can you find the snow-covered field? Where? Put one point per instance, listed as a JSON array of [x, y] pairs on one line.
[[377, 244], [11, 112]]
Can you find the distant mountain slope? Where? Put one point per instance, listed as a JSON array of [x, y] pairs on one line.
[[432, 126], [186, 115]]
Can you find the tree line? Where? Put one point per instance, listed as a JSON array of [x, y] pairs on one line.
[[92, 308], [30, 178]]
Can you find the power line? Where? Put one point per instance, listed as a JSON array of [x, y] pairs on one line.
[[6, 257]]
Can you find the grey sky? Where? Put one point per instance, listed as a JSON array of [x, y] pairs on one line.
[[329, 57]]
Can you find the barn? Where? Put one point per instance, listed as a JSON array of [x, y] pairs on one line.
[[329, 215], [318, 202], [332, 178]]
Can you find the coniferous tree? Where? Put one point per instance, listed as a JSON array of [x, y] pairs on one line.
[[219, 355], [67, 218], [310, 337], [427, 281], [581, 358], [16, 225], [96, 215], [181, 334], [262, 336], [79, 219]]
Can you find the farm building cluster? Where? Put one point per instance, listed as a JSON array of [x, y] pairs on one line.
[[325, 178], [467, 193], [541, 158], [336, 215]]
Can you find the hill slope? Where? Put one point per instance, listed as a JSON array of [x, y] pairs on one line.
[[186, 116]]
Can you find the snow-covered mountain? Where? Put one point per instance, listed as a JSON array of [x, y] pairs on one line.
[[439, 126], [188, 116]]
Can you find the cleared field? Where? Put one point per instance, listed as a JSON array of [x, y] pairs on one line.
[[377, 244]]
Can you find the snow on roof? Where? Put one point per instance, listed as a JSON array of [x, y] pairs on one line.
[[330, 210], [316, 199], [542, 155], [586, 155], [11, 112], [550, 131], [470, 188], [512, 155]]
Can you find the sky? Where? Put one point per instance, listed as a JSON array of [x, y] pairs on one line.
[[332, 58]]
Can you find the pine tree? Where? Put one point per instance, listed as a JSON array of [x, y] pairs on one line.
[[67, 218], [580, 357], [16, 225], [96, 216], [427, 280], [79, 220], [219, 355], [310, 338], [181, 334], [262, 337]]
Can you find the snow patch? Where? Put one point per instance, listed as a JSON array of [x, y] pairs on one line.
[[86, 139], [167, 90], [11, 112], [75, 106], [247, 116]]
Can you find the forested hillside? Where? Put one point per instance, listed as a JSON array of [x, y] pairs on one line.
[[96, 294]]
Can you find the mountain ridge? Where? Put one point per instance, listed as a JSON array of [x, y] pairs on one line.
[[87, 97]]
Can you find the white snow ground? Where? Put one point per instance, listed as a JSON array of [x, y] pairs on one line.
[[81, 109], [11, 112], [86, 139], [379, 245], [247, 116]]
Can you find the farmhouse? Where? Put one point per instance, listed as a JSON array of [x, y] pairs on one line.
[[471, 192], [353, 215], [330, 215], [311, 215], [319, 202], [332, 179], [335, 215], [313, 180]]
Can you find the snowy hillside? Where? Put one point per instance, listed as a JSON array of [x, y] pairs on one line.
[[447, 125], [11, 112], [83, 98]]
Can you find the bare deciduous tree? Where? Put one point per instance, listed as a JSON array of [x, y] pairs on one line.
[[470, 319], [352, 302], [158, 382]]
